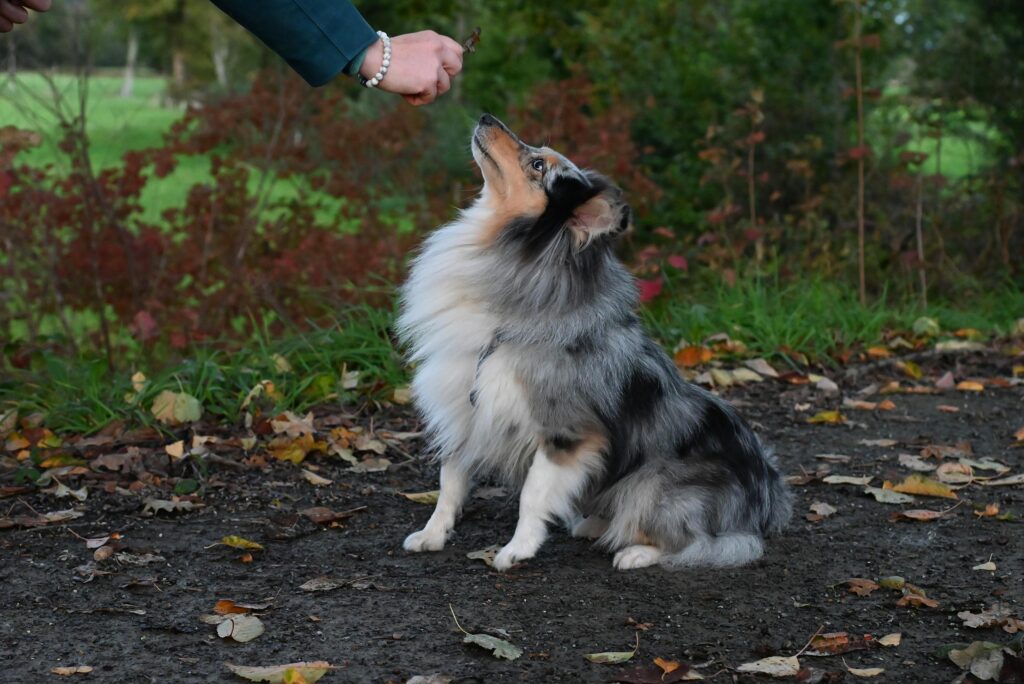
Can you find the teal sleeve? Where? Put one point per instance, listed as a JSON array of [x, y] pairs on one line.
[[318, 38]]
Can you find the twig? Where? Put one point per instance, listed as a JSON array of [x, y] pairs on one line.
[[809, 642]]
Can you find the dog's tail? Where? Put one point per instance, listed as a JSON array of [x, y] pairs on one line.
[[722, 551]]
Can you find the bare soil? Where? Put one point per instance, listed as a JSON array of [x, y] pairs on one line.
[[139, 623]]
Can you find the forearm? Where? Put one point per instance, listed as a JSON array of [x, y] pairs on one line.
[[318, 38]]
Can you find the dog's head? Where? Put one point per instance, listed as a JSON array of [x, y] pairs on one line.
[[540, 194]]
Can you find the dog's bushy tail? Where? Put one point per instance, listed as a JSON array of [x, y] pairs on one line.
[[722, 551]]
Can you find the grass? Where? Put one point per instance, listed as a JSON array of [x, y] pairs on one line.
[[814, 317]]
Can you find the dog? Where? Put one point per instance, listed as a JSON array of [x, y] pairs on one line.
[[531, 364]]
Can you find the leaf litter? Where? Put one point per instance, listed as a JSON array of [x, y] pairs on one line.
[[499, 648]]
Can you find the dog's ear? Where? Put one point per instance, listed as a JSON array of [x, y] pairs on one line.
[[606, 213]]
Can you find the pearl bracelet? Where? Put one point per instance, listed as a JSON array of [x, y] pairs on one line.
[[385, 63]]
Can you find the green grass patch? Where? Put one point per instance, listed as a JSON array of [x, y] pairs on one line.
[[355, 359], [347, 361]]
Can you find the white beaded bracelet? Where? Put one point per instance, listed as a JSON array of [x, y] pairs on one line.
[[385, 63]]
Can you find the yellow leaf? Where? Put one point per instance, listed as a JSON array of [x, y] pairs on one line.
[[423, 497], [236, 542], [912, 370], [970, 386], [401, 395], [827, 418], [1018, 371], [924, 486], [176, 450], [281, 364], [295, 450], [293, 676]]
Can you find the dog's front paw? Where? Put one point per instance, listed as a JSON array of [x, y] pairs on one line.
[[424, 540], [513, 553], [638, 556]]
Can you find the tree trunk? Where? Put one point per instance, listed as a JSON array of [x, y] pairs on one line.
[[178, 66], [131, 58]]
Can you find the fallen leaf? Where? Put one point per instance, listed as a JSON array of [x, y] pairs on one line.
[[833, 458], [824, 384], [879, 442], [991, 510], [923, 486], [423, 497], [289, 424], [860, 404], [955, 473], [776, 666], [911, 369], [878, 353], [970, 386], [322, 515], [646, 674], [989, 566], [891, 640], [176, 450], [275, 674], [984, 659], [401, 395], [486, 554], [836, 643], [614, 657], [761, 366], [1004, 482], [917, 514], [62, 491], [38, 520], [827, 418], [691, 356], [152, 506], [71, 670], [236, 542], [667, 666], [959, 346], [498, 647], [847, 479], [371, 465], [946, 408], [893, 582], [242, 627], [915, 463], [888, 496], [996, 615], [865, 672], [176, 408], [295, 450], [820, 510], [323, 583], [916, 600], [314, 479], [985, 464], [942, 451], [861, 586]]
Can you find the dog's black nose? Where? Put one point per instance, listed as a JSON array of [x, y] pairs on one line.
[[488, 120]]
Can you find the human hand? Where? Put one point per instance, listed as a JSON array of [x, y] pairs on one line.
[[13, 12], [422, 65]]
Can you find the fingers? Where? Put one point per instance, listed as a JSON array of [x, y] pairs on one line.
[[444, 82], [5, 26], [37, 5], [14, 14]]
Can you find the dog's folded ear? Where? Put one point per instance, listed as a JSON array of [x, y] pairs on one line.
[[604, 214]]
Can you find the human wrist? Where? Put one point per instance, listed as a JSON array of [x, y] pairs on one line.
[[365, 79], [373, 56]]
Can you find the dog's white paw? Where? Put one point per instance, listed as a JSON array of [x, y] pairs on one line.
[[424, 540], [512, 553], [638, 556], [590, 527]]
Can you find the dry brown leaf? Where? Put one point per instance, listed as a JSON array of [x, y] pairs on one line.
[[667, 666], [69, 670], [776, 666], [890, 640], [820, 510], [921, 515], [879, 442], [970, 386], [955, 473], [314, 479], [991, 510], [946, 408], [691, 356], [322, 515], [176, 450], [916, 600], [861, 586], [878, 353], [836, 643]]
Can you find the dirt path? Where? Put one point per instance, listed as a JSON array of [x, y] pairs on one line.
[[139, 623]]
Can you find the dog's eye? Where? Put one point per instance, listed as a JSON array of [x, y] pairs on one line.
[[538, 165]]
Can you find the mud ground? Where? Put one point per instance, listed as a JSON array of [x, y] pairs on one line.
[[139, 623]]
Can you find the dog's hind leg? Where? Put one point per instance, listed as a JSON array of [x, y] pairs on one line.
[[454, 489], [591, 527], [549, 492]]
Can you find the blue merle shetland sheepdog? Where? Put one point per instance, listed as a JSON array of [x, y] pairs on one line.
[[531, 364]]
